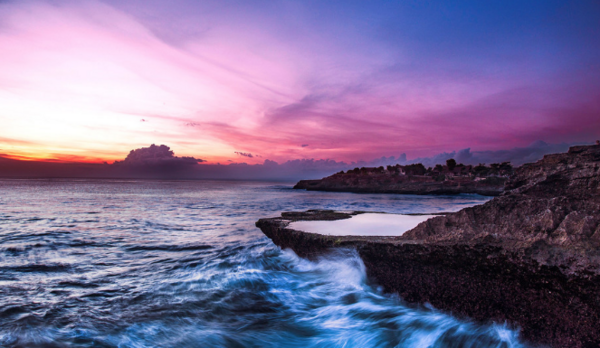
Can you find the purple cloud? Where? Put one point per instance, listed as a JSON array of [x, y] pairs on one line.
[[244, 154], [160, 162], [156, 156]]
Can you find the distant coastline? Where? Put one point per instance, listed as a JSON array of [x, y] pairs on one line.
[[451, 178], [160, 162]]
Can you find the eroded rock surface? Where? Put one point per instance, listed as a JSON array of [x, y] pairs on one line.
[[529, 257], [549, 213], [386, 182]]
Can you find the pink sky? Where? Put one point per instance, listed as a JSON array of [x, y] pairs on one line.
[[91, 80]]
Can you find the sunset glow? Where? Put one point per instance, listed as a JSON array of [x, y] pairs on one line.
[[88, 81]]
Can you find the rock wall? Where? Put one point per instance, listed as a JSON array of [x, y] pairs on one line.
[[405, 184], [529, 257], [549, 213]]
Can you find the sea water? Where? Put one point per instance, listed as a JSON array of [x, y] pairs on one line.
[[125, 263]]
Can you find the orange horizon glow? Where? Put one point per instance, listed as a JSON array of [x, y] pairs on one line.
[[88, 81], [61, 158], [56, 159]]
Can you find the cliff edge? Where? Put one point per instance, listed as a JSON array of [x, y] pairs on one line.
[[550, 213], [416, 179], [529, 257]]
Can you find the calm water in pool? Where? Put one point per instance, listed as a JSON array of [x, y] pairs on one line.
[[367, 224]]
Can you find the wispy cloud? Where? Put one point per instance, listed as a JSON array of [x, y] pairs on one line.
[[244, 154], [354, 81]]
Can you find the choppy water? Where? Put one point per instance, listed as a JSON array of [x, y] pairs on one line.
[[180, 264]]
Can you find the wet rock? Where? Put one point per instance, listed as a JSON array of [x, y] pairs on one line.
[[530, 257]]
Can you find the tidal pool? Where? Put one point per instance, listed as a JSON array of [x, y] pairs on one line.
[[367, 224]]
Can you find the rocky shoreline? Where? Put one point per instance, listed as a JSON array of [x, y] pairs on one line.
[[376, 185], [530, 257], [416, 179]]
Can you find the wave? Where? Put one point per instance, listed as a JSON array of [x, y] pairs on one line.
[[156, 273]]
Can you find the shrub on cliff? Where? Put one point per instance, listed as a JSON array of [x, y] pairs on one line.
[[415, 169], [481, 170], [451, 163], [506, 168]]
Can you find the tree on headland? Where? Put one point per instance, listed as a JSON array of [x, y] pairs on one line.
[[451, 163], [506, 168], [415, 169], [481, 170]]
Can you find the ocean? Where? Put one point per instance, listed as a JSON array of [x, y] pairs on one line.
[[140, 263]]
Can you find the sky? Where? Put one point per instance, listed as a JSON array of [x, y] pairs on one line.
[[256, 81]]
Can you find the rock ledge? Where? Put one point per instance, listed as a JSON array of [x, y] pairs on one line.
[[530, 257]]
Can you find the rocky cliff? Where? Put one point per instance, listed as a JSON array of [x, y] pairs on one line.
[[529, 257], [550, 213], [386, 182]]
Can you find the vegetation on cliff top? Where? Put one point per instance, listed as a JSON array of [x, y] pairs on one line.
[[451, 168]]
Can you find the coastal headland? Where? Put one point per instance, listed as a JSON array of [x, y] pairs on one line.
[[530, 257], [451, 178]]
